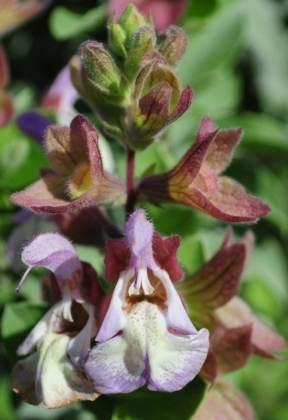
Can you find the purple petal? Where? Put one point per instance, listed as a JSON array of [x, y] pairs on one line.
[[34, 125], [110, 371], [54, 252], [139, 235]]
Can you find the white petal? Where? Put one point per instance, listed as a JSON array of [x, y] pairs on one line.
[[176, 314], [36, 334], [176, 360], [114, 320], [58, 383], [80, 344]]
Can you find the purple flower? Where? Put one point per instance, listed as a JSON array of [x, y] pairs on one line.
[[60, 341], [146, 336]]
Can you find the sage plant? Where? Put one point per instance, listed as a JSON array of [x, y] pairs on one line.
[[152, 325]]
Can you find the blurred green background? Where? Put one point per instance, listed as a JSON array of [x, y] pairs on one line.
[[237, 65]]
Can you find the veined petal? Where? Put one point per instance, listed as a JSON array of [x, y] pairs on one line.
[[230, 202], [195, 180], [165, 254], [220, 152], [231, 347], [218, 280], [224, 402], [78, 178], [265, 341], [146, 352]]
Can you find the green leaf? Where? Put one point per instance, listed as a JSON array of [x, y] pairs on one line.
[[19, 317], [262, 133], [268, 265], [91, 255], [269, 47], [201, 8], [209, 100], [7, 287], [148, 405], [273, 187], [214, 45], [17, 320], [21, 158], [6, 408], [195, 250], [65, 24]]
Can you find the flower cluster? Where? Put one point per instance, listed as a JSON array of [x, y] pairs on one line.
[[157, 326]]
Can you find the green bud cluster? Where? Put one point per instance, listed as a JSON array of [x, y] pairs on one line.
[[130, 83]]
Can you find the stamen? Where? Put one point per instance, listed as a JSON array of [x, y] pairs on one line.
[[142, 281], [67, 314], [23, 278]]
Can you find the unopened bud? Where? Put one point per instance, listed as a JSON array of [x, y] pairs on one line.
[[139, 44], [75, 74], [172, 44], [99, 69], [116, 39], [131, 20]]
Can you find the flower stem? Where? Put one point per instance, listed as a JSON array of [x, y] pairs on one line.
[[130, 182]]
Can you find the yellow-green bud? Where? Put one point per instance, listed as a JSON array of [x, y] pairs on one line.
[[99, 69], [131, 20]]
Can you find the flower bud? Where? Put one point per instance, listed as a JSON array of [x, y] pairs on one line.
[[139, 44], [99, 71], [172, 44], [158, 101], [75, 74], [131, 20], [116, 39]]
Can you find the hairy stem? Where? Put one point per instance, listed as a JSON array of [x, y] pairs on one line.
[[130, 182]]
